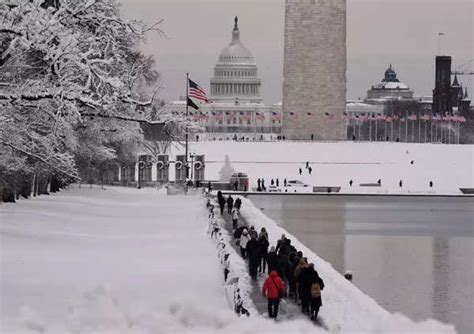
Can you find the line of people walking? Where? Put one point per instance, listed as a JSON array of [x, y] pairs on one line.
[[285, 265]]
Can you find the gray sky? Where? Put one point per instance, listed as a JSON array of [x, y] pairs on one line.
[[379, 32]]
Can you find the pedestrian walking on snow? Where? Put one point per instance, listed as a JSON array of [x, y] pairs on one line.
[[238, 203], [284, 182], [301, 171], [235, 218], [317, 284], [263, 247], [273, 289], [259, 188], [253, 233], [272, 182], [310, 170], [272, 260], [244, 239], [221, 201], [253, 252], [277, 182], [230, 204], [307, 164]]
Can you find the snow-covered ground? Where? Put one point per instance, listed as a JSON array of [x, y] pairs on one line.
[[115, 261], [138, 261], [449, 167]]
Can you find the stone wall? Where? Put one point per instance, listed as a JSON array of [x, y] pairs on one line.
[[314, 69]]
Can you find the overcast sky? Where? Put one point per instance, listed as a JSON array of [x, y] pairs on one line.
[[379, 32]]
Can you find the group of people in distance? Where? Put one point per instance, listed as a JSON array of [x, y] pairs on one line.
[[285, 265]]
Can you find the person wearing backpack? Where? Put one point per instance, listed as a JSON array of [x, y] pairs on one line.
[[317, 284], [273, 289]]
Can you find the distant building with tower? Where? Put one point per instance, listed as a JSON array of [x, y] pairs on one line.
[[442, 96], [314, 70]]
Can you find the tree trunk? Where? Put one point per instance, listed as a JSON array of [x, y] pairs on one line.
[[8, 195]]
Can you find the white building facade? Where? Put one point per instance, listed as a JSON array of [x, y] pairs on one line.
[[236, 109]]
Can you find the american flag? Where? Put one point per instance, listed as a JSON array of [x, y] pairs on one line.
[[259, 116], [196, 92], [412, 117]]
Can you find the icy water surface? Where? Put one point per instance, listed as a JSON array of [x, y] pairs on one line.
[[413, 255]]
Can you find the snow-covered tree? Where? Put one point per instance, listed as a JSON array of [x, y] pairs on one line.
[[74, 86]]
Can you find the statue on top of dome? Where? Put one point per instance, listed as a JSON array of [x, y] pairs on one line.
[[236, 23]]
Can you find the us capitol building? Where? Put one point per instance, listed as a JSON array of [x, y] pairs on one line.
[[236, 107]]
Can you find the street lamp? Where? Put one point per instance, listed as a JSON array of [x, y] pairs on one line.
[[192, 155]]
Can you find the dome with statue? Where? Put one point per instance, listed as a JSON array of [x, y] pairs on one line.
[[236, 74], [390, 88]]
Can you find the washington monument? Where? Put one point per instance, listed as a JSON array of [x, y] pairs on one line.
[[314, 84]]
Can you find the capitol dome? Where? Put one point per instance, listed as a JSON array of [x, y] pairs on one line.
[[235, 74], [236, 53]]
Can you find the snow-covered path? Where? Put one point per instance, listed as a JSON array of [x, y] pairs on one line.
[[88, 248]]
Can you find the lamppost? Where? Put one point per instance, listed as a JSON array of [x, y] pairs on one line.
[[192, 155]]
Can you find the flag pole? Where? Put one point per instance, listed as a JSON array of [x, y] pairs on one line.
[[186, 134]]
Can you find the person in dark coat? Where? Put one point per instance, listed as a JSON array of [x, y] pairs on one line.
[[272, 182], [284, 182], [238, 203], [259, 188], [291, 276], [230, 204], [263, 247], [310, 169], [238, 232], [272, 289], [272, 259], [253, 233], [308, 277], [253, 253], [280, 242], [277, 182], [221, 201], [301, 171], [282, 268], [263, 185], [316, 285], [302, 265]]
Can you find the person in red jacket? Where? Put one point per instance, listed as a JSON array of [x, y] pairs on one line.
[[273, 289]]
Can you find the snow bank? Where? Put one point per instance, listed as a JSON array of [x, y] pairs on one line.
[[116, 261], [450, 167], [345, 308]]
